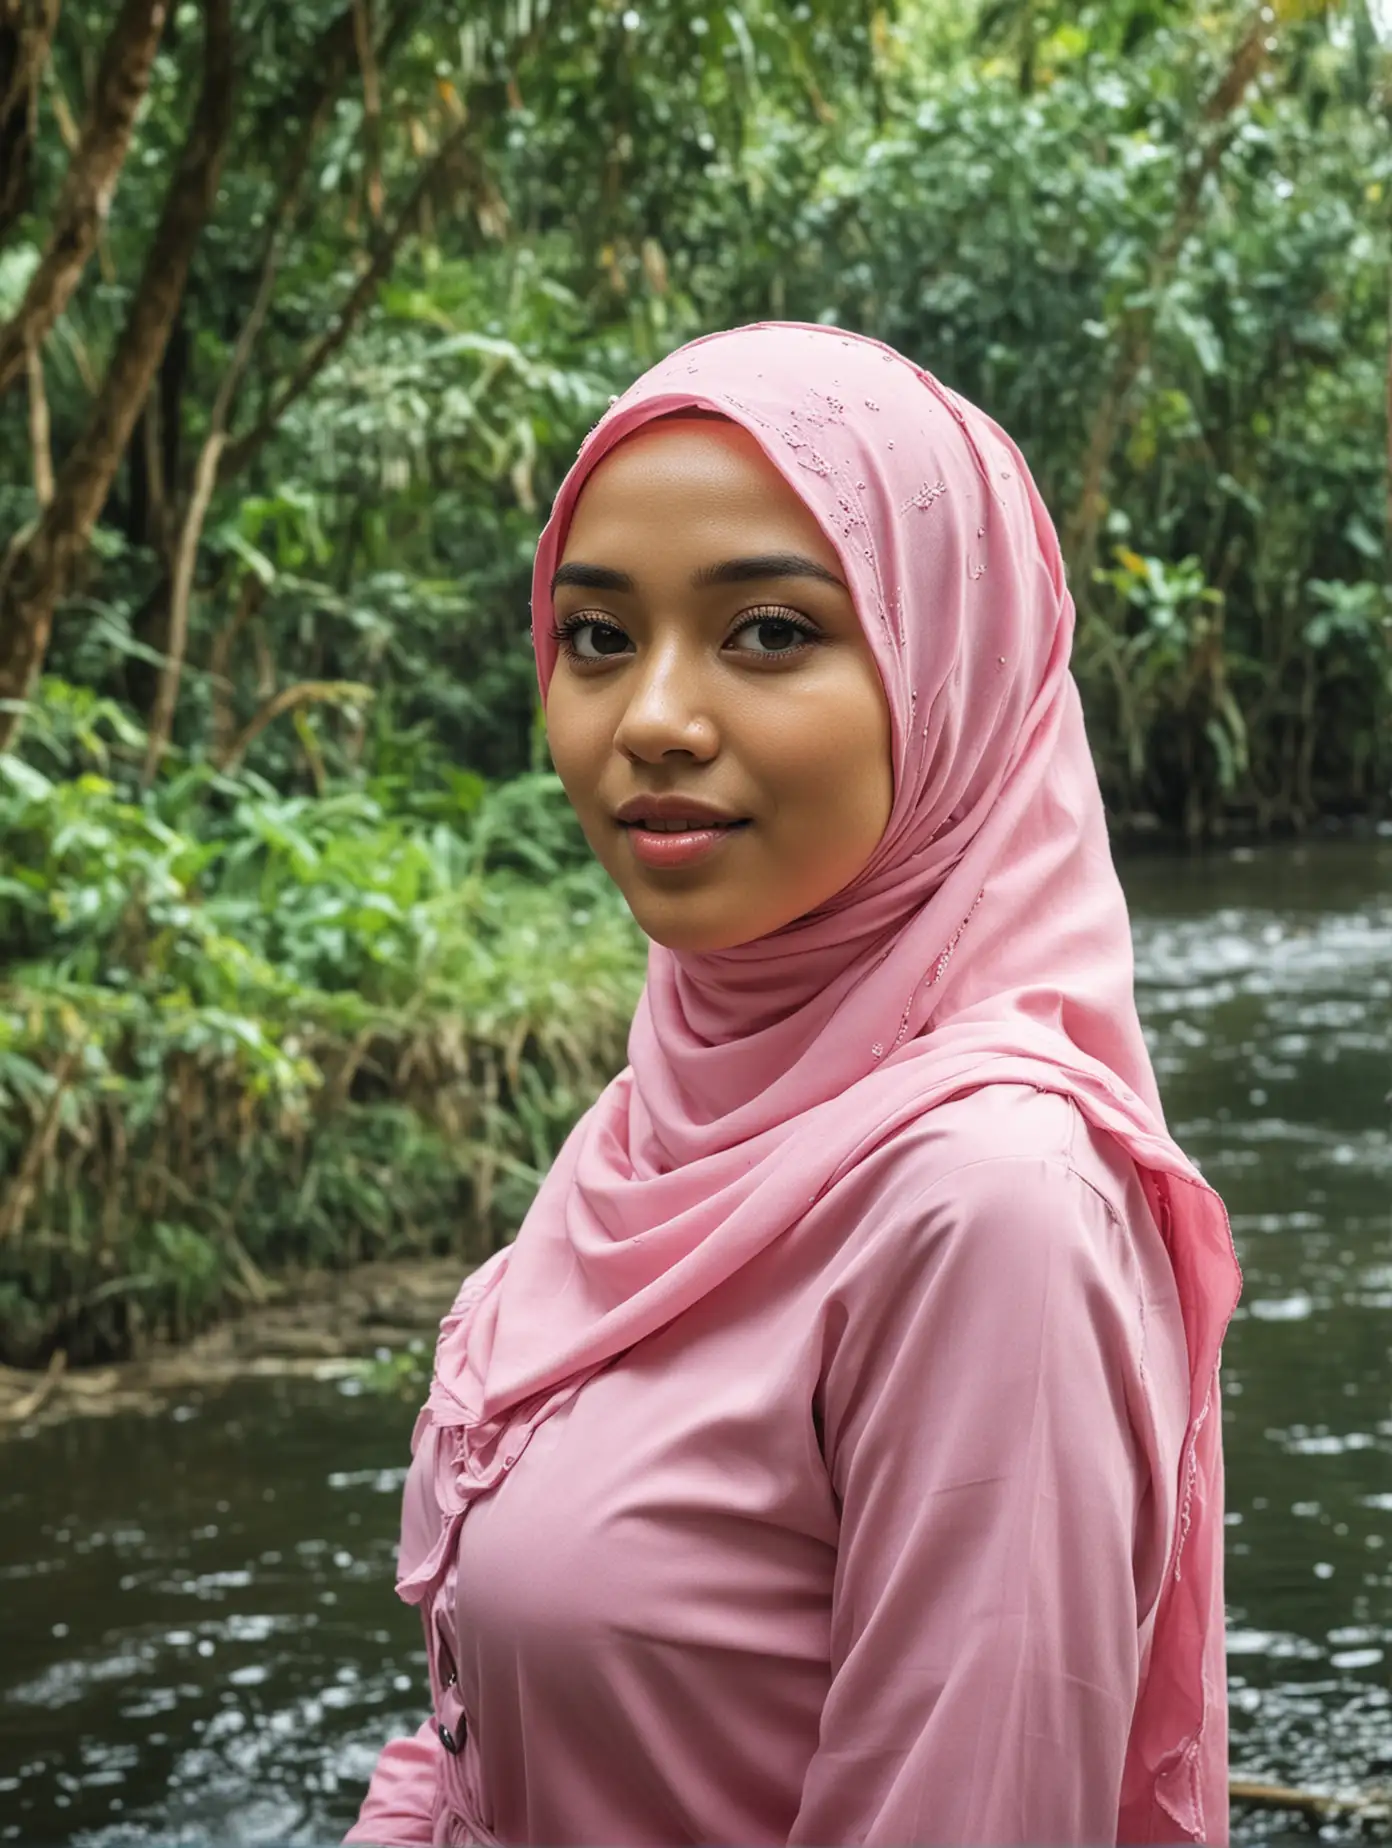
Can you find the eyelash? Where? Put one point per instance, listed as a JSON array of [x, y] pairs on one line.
[[564, 632]]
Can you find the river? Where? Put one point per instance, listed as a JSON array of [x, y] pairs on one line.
[[198, 1639]]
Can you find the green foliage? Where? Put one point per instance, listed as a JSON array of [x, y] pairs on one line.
[[242, 1030], [1005, 235]]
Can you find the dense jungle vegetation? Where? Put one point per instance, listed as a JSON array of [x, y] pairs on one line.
[[304, 307]]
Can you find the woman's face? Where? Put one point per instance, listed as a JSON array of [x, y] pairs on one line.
[[710, 656]]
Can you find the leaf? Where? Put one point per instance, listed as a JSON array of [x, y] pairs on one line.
[[249, 554], [23, 777]]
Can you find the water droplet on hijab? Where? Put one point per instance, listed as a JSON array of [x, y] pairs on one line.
[[1000, 660], [891, 445], [1005, 474], [978, 571], [877, 1051], [981, 532], [861, 486], [871, 405]]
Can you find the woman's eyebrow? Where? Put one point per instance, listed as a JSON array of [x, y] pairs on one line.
[[591, 577], [764, 565], [756, 567]]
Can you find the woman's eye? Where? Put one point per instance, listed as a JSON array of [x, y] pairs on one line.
[[587, 639], [775, 635], [762, 637]]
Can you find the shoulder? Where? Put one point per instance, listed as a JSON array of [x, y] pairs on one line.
[[1005, 1255], [991, 1143], [992, 1182]]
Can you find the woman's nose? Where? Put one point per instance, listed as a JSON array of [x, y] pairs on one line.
[[668, 709]]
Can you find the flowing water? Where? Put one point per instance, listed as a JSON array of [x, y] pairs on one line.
[[198, 1639]]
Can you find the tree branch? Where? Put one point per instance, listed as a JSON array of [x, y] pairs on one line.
[[1316, 1806], [40, 439], [205, 477], [68, 127], [26, 33], [38, 571], [35, 1400], [159, 616], [339, 43], [37, 1150], [220, 659], [323, 78], [372, 107], [341, 324], [91, 179], [303, 693]]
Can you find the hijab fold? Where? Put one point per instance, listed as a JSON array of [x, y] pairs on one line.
[[986, 941]]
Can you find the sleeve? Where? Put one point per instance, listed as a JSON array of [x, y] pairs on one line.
[[992, 1444], [399, 1807], [398, 1810]]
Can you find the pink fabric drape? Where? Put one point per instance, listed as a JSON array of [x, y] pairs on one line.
[[986, 942]]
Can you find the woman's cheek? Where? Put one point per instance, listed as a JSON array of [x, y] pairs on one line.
[[575, 742]]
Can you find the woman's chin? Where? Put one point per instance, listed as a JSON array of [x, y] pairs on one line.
[[692, 940], [694, 929]]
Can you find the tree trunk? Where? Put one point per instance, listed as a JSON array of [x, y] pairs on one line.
[[309, 104], [26, 31], [93, 171], [38, 568]]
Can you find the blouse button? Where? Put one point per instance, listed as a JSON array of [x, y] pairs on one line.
[[448, 1740]]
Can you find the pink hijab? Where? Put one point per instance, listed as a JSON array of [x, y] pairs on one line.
[[987, 941]]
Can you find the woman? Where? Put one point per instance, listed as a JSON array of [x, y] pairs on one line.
[[834, 1457]]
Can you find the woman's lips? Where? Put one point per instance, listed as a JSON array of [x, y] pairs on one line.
[[677, 847]]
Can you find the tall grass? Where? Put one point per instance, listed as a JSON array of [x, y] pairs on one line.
[[242, 1032]]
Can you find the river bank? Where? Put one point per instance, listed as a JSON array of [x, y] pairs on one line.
[[318, 1325], [1247, 905], [169, 1162]]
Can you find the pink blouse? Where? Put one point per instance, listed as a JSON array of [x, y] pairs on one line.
[[865, 1547]]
